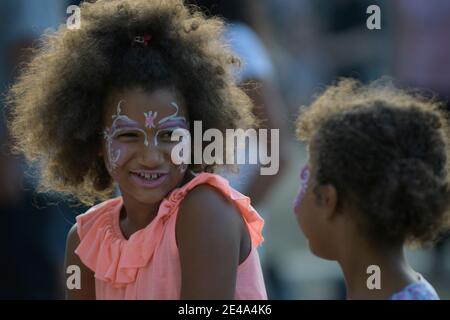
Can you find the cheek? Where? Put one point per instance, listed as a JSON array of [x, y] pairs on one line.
[[299, 199], [117, 154], [304, 212], [309, 225], [167, 149], [314, 229]]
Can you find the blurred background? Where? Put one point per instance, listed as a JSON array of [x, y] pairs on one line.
[[290, 51]]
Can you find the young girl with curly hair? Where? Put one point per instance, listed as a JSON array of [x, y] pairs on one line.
[[96, 108], [377, 178]]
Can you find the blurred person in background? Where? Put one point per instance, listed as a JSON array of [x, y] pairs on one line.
[[28, 222], [352, 49], [318, 41], [301, 62], [258, 78]]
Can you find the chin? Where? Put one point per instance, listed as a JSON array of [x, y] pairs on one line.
[[150, 196]]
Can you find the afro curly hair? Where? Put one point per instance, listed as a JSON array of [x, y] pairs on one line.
[[387, 153], [56, 106]]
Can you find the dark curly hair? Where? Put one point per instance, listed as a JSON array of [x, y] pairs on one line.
[[56, 105], [387, 154]]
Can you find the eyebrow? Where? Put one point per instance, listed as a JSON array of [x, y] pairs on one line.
[[125, 127], [173, 123], [127, 123]]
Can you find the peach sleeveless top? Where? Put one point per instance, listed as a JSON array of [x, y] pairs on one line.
[[147, 265]]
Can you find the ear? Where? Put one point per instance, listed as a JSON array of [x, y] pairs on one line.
[[328, 200]]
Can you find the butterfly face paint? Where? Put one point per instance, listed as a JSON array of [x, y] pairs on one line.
[[143, 166], [125, 128], [304, 180]]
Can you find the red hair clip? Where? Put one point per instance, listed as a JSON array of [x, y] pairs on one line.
[[142, 40]]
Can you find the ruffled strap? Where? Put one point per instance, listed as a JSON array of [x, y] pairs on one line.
[[96, 216], [252, 219], [116, 260]]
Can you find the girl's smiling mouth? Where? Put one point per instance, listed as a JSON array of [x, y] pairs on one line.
[[149, 178]]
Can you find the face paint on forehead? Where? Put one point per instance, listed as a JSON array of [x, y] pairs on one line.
[[150, 119], [304, 180], [181, 124], [173, 116], [172, 120], [122, 122]]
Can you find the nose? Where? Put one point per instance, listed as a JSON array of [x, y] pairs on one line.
[[150, 156]]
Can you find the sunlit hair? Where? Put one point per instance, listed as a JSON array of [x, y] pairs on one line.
[[57, 104], [387, 154]]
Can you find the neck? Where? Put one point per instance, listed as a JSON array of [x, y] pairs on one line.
[[136, 215], [395, 273]]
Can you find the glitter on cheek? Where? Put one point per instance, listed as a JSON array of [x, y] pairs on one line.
[[122, 152], [304, 180], [117, 152], [182, 168], [113, 155]]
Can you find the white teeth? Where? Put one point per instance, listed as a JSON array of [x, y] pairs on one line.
[[148, 176]]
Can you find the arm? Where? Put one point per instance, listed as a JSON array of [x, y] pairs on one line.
[[87, 291], [209, 233]]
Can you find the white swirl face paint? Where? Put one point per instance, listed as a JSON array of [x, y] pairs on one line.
[[171, 122], [122, 124]]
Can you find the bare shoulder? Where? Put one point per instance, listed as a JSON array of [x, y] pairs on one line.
[[206, 206], [73, 240], [210, 234]]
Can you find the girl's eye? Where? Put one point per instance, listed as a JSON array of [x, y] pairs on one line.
[[128, 135], [166, 135]]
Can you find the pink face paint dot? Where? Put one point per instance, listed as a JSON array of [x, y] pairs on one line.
[[150, 119]]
